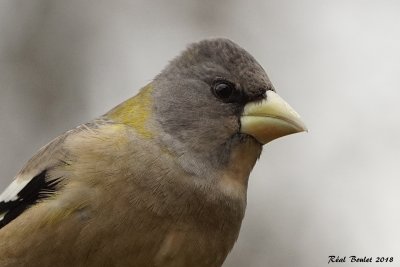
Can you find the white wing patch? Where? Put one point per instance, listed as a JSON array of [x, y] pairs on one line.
[[11, 192]]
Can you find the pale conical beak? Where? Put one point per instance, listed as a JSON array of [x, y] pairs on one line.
[[270, 118]]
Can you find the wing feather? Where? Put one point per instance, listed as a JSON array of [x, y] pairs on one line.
[[36, 181]]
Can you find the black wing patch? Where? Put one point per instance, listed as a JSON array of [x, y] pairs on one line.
[[38, 188]]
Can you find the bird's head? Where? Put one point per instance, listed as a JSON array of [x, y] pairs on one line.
[[216, 97], [214, 106]]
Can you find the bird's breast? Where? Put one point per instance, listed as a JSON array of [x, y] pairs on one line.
[[180, 248]]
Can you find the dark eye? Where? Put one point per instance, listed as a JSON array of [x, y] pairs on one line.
[[224, 90]]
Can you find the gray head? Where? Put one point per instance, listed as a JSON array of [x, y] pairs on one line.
[[200, 98]]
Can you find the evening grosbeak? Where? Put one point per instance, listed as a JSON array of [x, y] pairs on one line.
[[160, 180]]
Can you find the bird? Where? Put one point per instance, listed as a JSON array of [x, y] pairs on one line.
[[159, 180]]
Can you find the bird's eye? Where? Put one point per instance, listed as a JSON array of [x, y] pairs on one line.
[[224, 90]]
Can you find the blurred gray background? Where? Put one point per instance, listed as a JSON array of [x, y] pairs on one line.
[[333, 191]]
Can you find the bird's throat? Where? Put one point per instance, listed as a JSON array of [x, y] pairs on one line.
[[235, 175]]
